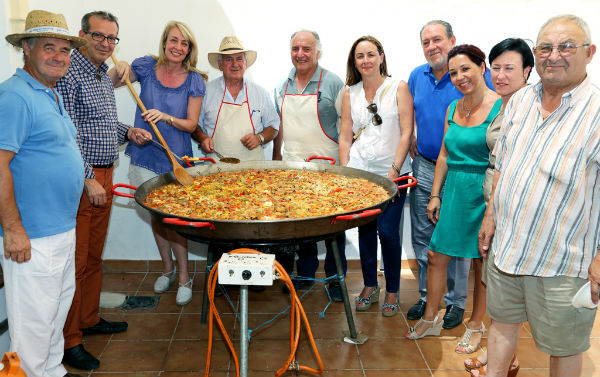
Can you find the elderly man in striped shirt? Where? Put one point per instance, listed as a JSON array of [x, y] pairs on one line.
[[546, 206]]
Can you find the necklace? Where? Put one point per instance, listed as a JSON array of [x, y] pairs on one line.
[[468, 111]]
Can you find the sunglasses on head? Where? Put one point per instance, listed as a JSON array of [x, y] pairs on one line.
[[376, 117]]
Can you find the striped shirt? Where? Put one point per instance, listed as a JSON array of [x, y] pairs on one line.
[[89, 99], [547, 201]]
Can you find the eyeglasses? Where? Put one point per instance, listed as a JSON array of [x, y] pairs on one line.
[[376, 117], [99, 37], [564, 49]]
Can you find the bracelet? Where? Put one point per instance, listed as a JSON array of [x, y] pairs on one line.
[[171, 120], [435, 196], [396, 168], [262, 139]]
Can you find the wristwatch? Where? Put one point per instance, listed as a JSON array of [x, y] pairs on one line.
[[262, 139]]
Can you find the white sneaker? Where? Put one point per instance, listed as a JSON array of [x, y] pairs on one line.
[[164, 281], [184, 293]]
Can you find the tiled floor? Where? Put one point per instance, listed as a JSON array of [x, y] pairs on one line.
[[171, 342]]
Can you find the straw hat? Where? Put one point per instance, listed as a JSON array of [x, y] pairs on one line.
[[40, 23], [229, 46]]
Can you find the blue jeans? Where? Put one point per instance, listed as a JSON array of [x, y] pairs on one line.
[[421, 232], [387, 226], [307, 262]]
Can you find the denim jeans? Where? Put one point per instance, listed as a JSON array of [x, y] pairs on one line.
[[387, 226], [421, 232]]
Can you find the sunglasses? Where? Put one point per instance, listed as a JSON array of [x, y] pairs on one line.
[[376, 117]]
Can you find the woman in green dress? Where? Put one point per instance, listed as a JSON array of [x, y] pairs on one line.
[[462, 163]]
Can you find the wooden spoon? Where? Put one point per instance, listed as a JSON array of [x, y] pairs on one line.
[[183, 177]]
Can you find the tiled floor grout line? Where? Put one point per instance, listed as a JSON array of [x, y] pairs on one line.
[[418, 346]]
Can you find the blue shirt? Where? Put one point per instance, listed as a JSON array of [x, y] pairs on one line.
[[328, 91], [47, 168], [90, 101], [172, 101], [259, 102], [431, 100]]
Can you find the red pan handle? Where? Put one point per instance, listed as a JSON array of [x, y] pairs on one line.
[[321, 158], [367, 213], [115, 192], [403, 178], [176, 221]]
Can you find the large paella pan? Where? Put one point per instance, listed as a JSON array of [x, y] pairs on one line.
[[265, 230]]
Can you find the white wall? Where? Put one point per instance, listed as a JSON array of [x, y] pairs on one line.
[[265, 26]]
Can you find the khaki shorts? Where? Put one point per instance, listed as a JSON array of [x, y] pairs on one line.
[[138, 175], [558, 328]]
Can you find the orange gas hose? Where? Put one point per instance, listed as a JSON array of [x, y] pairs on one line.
[[297, 315]]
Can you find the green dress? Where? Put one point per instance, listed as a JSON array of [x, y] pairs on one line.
[[463, 206]]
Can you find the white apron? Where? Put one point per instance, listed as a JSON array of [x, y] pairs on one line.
[[233, 123], [303, 135]]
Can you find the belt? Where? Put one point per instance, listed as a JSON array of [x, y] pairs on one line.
[[491, 166], [428, 159], [107, 166]]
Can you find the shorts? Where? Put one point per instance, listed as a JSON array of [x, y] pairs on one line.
[[138, 175], [558, 328]]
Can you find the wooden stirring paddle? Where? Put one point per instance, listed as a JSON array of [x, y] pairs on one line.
[[183, 177]]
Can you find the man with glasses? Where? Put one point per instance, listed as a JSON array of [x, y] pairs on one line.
[[89, 99], [544, 215], [432, 92], [306, 103]]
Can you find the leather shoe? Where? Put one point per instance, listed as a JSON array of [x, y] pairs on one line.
[[453, 317], [105, 327], [78, 357], [417, 310], [335, 291]]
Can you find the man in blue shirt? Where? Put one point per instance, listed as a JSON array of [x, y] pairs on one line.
[[41, 179], [432, 92]]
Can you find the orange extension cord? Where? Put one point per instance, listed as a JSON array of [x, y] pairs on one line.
[[297, 312]]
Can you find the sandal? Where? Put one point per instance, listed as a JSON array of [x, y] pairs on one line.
[[363, 304], [512, 371], [434, 330], [464, 342], [474, 362], [393, 308]]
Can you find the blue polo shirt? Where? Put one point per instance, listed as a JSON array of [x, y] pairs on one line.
[[431, 100], [47, 168]]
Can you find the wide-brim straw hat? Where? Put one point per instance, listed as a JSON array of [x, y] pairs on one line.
[[231, 45], [40, 23]]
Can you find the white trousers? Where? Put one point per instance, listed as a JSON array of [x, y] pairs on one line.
[[38, 297]]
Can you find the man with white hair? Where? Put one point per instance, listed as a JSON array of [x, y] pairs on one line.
[[544, 215], [238, 117], [41, 180], [306, 104]]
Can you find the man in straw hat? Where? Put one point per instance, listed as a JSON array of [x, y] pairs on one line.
[[41, 179], [238, 117], [306, 102], [89, 98]]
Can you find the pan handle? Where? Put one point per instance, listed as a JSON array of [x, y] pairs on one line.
[[176, 221], [115, 192], [407, 185], [321, 158], [367, 213]]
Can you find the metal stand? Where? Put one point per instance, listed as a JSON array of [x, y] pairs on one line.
[[243, 331], [353, 335], [340, 272]]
